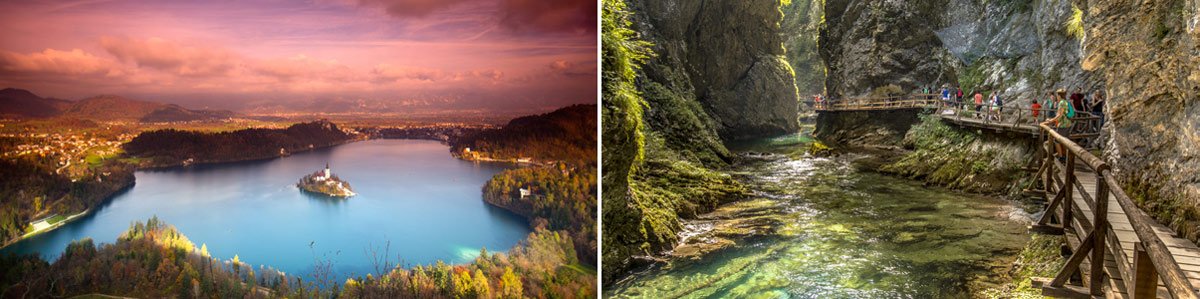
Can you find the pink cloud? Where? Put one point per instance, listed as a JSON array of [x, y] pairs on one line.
[[56, 62], [169, 56]]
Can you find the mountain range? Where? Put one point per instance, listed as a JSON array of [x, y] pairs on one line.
[[24, 104]]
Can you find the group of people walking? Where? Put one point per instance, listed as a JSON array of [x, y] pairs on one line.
[[990, 107]]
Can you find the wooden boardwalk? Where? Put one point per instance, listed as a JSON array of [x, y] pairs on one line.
[[1185, 253], [1140, 258]]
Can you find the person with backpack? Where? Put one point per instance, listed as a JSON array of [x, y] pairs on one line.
[[1062, 121]]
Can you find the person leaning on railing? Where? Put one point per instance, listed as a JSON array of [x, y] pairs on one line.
[[1061, 122]]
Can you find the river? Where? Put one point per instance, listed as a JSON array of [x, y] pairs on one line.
[[415, 202], [822, 228]]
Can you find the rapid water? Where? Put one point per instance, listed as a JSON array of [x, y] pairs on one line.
[[823, 229]]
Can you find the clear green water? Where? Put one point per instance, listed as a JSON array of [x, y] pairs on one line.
[[838, 232]]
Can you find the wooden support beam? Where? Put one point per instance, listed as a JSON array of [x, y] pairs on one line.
[[1100, 227], [1066, 291], [1050, 209], [1068, 206], [1076, 259], [1145, 280]]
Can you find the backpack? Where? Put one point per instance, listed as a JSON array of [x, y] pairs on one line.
[[1070, 110]]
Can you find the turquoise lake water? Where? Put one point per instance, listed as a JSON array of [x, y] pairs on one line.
[[414, 199]]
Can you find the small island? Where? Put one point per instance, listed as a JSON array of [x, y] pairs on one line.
[[324, 182]]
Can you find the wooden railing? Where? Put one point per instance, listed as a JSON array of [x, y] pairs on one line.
[[1152, 259], [878, 103], [1085, 126]]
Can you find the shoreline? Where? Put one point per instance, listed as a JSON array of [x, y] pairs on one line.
[[71, 218], [245, 159]]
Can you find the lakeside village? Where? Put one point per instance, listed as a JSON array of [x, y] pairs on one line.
[[324, 182], [469, 155]]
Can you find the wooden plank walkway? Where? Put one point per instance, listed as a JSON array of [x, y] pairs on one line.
[[1186, 253], [1029, 128]]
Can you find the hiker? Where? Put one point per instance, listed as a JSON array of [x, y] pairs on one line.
[[1077, 98], [1098, 106], [1037, 109], [958, 97], [1062, 121], [1051, 105], [978, 103], [945, 95], [994, 102]]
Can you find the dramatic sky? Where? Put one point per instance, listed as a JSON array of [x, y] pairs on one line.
[[433, 54]]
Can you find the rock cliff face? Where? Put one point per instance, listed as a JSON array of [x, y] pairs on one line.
[[717, 73], [1148, 55], [868, 44], [727, 55], [1023, 48]]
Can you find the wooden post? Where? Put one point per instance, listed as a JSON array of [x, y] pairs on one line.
[[1100, 230], [1145, 280], [1049, 179], [1067, 187]]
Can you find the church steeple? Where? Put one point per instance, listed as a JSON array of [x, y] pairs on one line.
[[327, 169]]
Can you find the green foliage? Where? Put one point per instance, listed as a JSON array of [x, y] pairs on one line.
[[30, 188], [958, 158], [510, 285], [563, 197], [1074, 25], [801, 25], [971, 79], [1040, 258], [621, 55]]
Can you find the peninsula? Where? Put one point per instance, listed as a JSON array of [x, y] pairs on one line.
[[324, 182]]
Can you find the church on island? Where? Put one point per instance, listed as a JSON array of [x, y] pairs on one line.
[[324, 182]]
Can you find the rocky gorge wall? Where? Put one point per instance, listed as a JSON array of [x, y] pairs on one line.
[[1148, 56], [1023, 48], [865, 129], [680, 78]]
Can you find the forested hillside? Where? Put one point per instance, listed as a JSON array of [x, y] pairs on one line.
[[567, 134], [174, 147]]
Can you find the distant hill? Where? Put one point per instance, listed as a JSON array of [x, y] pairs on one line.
[[174, 113], [23, 103], [111, 107], [567, 134], [20, 102]]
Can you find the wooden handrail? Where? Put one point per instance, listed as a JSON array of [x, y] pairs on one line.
[[1164, 264]]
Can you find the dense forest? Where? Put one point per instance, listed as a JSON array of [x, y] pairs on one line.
[[155, 260], [562, 197], [567, 134], [31, 189], [171, 147]]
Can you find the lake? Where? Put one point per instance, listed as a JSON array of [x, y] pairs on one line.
[[414, 200]]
